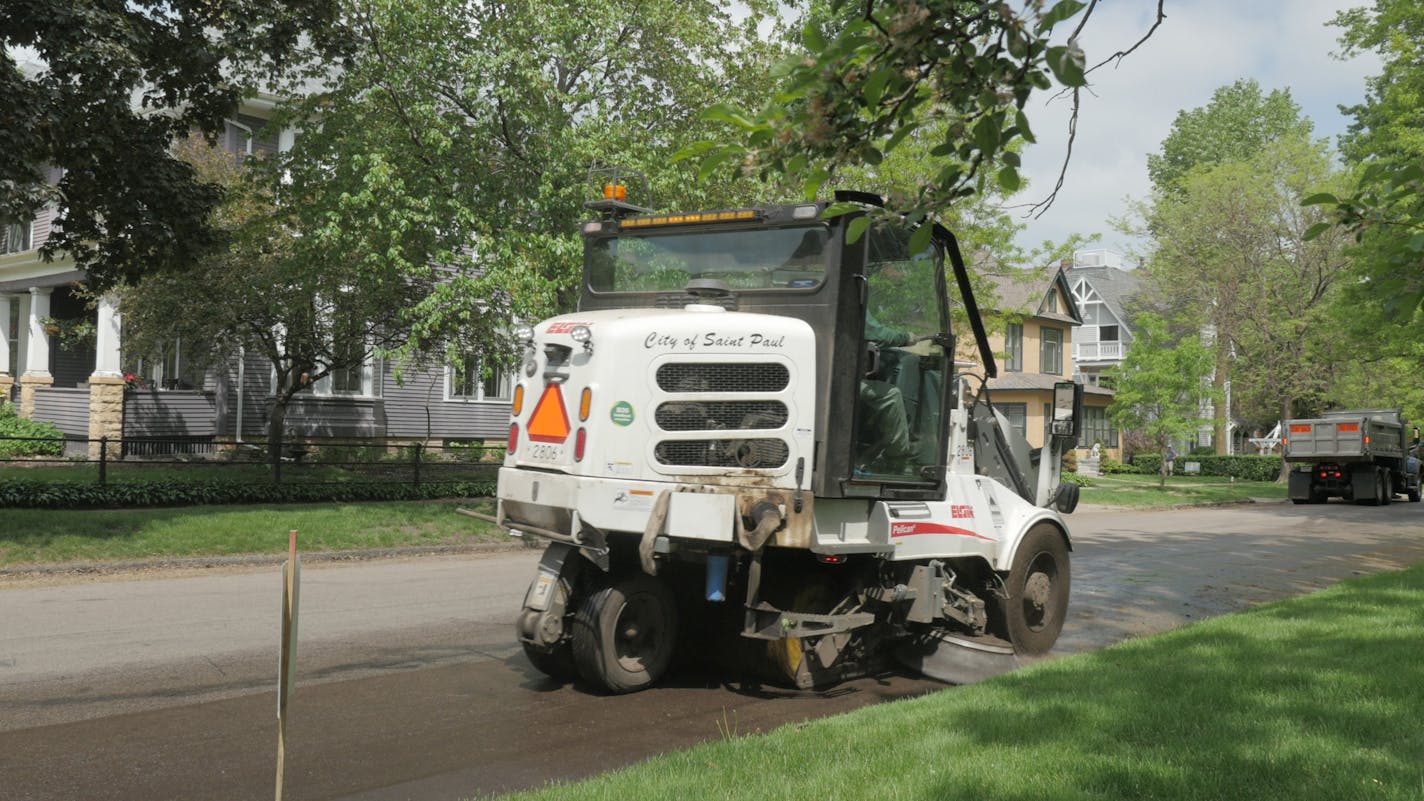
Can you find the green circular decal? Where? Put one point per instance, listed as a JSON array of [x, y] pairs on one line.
[[622, 413]]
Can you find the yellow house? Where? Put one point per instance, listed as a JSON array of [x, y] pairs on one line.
[[1034, 319]]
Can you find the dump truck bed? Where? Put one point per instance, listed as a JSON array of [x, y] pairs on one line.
[[1346, 437]]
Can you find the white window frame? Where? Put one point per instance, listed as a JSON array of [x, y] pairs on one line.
[[27, 230], [505, 385]]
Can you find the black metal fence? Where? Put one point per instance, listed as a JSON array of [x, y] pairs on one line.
[[302, 460]]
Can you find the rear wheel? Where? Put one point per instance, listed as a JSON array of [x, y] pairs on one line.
[[1038, 586], [623, 634]]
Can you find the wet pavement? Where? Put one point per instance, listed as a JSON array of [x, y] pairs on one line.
[[409, 693]]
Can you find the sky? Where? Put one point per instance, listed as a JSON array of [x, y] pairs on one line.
[[1202, 45]]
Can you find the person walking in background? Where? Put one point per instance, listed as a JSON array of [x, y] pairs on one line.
[[1171, 459]]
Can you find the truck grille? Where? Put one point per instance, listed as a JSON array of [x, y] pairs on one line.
[[721, 377], [715, 415], [748, 453]]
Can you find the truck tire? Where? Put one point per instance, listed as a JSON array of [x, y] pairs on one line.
[[1414, 494], [1037, 585], [624, 632]]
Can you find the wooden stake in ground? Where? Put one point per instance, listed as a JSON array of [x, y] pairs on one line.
[[287, 655]]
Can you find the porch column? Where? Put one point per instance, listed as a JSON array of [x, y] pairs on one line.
[[7, 375], [37, 372], [106, 383], [107, 362]]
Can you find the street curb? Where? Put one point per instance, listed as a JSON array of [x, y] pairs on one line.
[[254, 560], [1105, 507]]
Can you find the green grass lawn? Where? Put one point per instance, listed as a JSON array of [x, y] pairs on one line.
[[50, 536], [1320, 697], [1141, 491]]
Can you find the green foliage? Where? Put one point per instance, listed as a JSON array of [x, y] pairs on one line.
[[1237, 124], [1076, 479], [1233, 253], [435, 191], [111, 87], [34, 438], [1245, 468], [77, 495], [1385, 210], [876, 75], [1109, 467], [1161, 384]]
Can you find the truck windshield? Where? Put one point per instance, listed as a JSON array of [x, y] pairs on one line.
[[757, 258]]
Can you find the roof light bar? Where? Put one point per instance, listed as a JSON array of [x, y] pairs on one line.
[[733, 215]]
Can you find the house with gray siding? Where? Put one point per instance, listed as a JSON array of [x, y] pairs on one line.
[[1101, 288], [90, 388]]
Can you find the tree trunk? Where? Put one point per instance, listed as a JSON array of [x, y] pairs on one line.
[[1162, 469], [1223, 413], [276, 430]]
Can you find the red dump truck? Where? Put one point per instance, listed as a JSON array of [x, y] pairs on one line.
[[1360, 455]]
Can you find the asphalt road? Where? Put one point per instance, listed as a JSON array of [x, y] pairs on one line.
[[411, 684]]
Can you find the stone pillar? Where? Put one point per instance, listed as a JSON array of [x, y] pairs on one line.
[[37, 372], [106, 413], [7, 370]]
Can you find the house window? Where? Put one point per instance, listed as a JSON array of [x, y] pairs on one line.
[[1050, 303], [350, 379], [173, 367], [1050, 354], [15, 237], [1017, 413], [351, 368], [465, 382], [1096, 427], [1107, 333], [1014, 345]]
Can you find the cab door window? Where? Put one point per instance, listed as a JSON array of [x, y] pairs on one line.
[[898, 425]]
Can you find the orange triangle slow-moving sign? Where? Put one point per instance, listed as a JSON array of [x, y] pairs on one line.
[[549, 422]]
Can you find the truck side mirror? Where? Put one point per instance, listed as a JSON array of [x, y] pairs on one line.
[[1067, 408]]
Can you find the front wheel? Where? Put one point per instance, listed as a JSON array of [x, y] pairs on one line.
[[623, 634], [1037, 587]]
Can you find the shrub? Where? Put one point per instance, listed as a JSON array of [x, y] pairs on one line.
[[22, 437], [74, 494], [1246, 468], [1109, 466], [1074, 478], [1070, 461]]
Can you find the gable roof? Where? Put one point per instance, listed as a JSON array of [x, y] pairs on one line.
[[1113, 285], [1024, 292]]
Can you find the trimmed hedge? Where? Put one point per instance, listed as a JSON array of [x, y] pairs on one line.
[[1109, 467], [1246, 468], [87, 495]]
